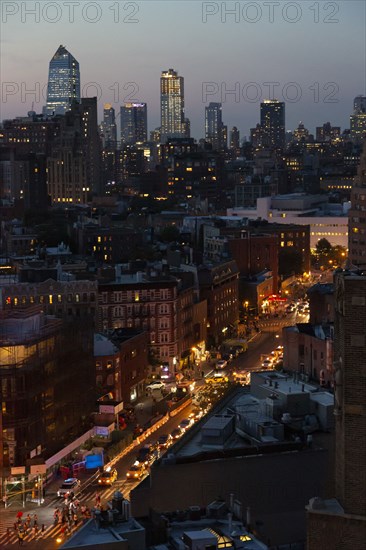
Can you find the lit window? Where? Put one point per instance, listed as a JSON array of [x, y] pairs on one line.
[[137, 296], [99, 239]]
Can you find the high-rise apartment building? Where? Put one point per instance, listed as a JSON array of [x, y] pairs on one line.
[[133, 123], [357, 218], [108, 127], [63, 83], [358, 119], [173, 121], [340, 522], [234, 138], [214, 125], [273, 123], [327, 132]]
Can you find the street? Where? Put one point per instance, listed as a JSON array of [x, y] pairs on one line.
[[49, 534]]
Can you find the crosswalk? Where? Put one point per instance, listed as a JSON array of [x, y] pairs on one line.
[[8, 536], [88, 497]]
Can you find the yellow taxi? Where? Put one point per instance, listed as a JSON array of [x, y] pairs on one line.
[[107, 477], [136, 471]]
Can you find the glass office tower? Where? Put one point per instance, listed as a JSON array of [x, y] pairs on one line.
[[63, 83]]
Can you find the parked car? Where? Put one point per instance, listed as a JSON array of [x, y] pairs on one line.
[[185, 424], [176, 433], [70, 485], [155, 386], [107, 477], [147, 454], [164, 441]]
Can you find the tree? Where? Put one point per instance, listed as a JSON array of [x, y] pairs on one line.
[[323, 246]]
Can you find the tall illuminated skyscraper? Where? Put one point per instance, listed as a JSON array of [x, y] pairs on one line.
[[173, 122], [273, 123], [63, 83], [133, 123]]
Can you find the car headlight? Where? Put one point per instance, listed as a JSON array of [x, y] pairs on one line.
[[136, 475]]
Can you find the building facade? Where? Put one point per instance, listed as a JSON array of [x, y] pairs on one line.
[[133, 123], [173, 122], [48, 389], [214, 125], [63, 83], [272, 114]]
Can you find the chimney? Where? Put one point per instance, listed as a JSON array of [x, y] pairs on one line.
[[230, 519], [249, 519]]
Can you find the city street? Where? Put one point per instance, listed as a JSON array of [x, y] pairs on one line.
[[50, 537]]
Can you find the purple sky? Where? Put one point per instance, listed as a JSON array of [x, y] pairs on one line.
[[314, 50]]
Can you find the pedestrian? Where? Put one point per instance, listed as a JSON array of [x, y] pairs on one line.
[[20, 538], [43, 528], [35, 517]]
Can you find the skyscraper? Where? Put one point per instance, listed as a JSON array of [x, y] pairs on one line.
[[133, 123], [108, 127], [356, 218], [63, 83], [358, 119], [214, 125], [173, 122], [273, 123], [340, 522], [234, 138]]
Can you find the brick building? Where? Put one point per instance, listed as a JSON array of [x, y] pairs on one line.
[[157, 302], [340, 522], [308, 350], [321, 303], [69, 300], [219, 285], [357, 217], [121, 363]]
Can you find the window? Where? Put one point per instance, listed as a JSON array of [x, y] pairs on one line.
[[77, 298]]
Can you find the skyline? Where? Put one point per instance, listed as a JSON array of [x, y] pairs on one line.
[[214, 53]]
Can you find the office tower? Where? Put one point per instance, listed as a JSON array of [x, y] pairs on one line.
[[358, 119], [108, 127], [273, 123], [357, 221], [173, 122], [63, 83], [133, 123], [234, 138], [214, 125], [340, 522]]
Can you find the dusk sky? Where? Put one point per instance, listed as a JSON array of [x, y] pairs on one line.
[[172, 34]]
